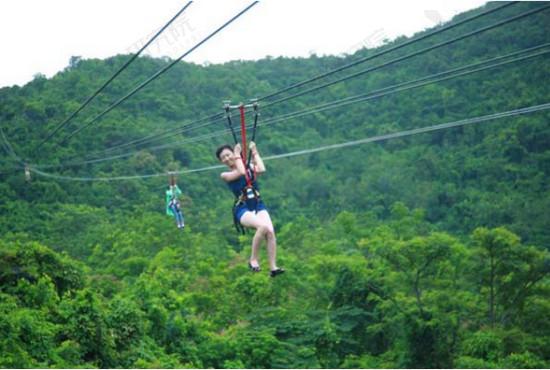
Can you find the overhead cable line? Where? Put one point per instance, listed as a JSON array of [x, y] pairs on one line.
[[399, 134], [408, 56], [154, 137], [349, 65], [368, 70], [416, 131], [396, 89], [352, 100], [383, 52], [213, 118], [156, 75], [106, 83], [375, 94]]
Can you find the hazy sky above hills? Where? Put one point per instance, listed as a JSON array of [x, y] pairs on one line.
[[40, 36]]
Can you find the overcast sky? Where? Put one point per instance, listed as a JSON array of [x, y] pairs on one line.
[[39, 36]]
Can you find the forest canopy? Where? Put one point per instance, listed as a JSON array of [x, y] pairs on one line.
[[428, 251]]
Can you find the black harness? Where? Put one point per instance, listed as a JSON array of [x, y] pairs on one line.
[[250, 196]]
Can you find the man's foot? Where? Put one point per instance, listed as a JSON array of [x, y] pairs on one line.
[[253, 268], [276, 272]]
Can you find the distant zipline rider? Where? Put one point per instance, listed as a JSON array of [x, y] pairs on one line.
[[248, 210], [173, 206]]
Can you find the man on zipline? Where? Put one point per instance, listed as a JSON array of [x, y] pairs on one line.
[[249, 210]]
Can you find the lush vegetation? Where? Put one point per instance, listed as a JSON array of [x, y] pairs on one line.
[[430, 251]]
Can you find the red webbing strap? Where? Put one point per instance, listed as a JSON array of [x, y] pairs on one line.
[[243, 141]]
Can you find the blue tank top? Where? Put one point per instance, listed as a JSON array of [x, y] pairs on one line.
[[239, 184]]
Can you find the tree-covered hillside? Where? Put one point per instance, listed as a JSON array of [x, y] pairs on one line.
[[431, 250]]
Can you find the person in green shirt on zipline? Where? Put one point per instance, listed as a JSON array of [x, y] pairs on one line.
[[173, 207]]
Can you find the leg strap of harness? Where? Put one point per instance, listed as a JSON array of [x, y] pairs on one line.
[[238, 226]]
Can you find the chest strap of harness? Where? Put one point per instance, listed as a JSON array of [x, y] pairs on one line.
[[249, 195]]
